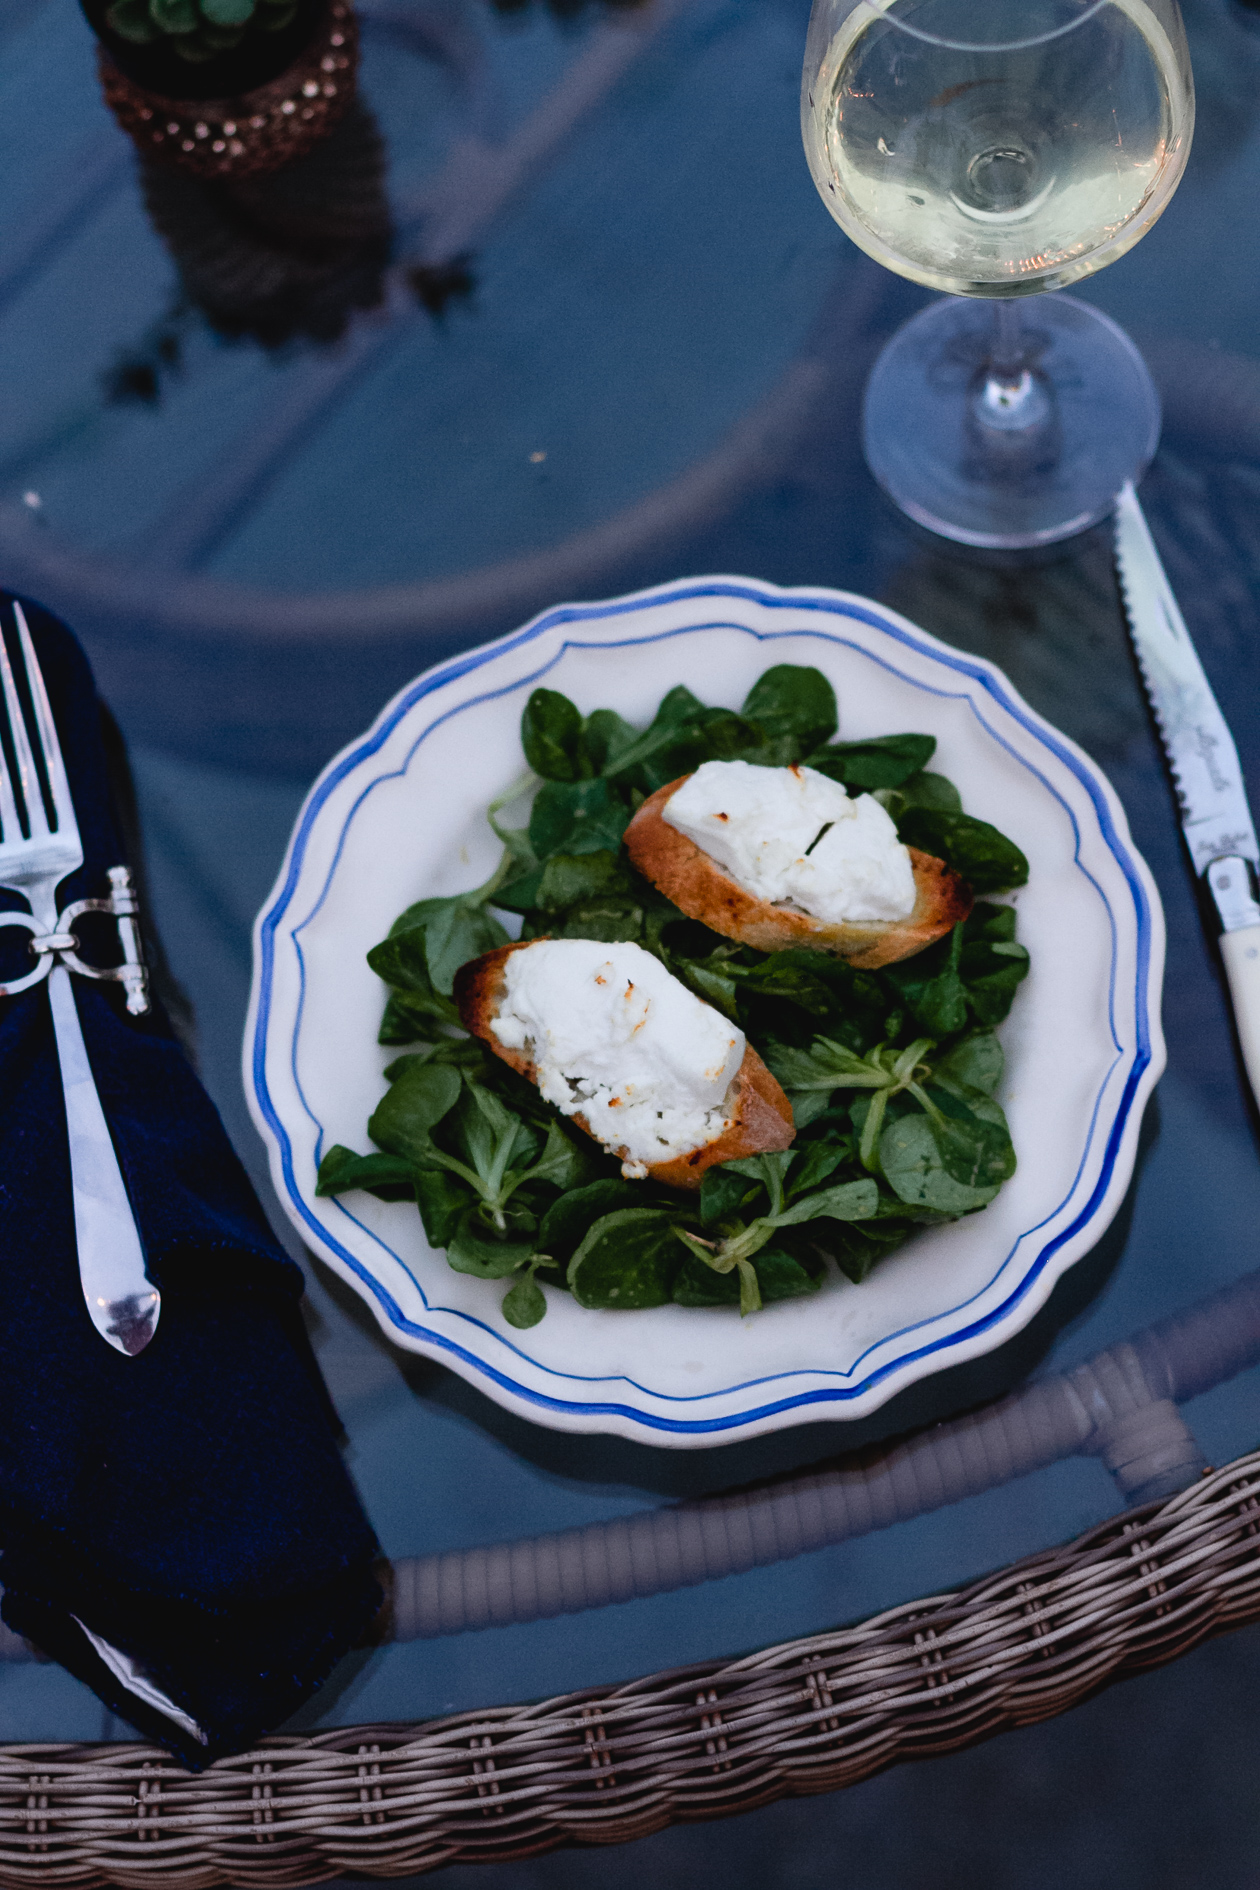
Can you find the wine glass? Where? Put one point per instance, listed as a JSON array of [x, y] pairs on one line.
[[999, 148]]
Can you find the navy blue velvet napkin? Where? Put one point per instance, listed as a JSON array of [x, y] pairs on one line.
[[187, 1508]]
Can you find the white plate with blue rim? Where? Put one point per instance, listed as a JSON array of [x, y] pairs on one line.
[[399, 815]]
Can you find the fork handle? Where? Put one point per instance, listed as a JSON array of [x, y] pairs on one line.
[[122, 1303]]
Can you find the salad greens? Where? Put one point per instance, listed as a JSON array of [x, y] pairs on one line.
[[891, 1074]]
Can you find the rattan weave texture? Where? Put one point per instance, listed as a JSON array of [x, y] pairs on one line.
[[607, 1765]]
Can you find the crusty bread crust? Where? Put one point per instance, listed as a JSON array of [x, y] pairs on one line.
[[699, 887], [759, 1114]]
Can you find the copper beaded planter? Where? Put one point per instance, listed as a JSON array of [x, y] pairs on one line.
[[260, 130]]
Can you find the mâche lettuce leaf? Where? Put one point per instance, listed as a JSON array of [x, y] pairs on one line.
[[892, 1074]]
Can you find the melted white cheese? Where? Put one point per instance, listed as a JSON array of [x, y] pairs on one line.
[[795, 838], [616, 1039]]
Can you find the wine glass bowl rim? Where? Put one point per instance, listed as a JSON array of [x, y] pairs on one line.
[[884, 9]]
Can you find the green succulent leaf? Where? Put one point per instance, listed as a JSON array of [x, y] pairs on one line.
[[131, 20], [227, 12], [174, 16]]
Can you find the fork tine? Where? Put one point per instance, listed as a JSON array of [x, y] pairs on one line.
[[10, 826], [26, 776], [46, 729]]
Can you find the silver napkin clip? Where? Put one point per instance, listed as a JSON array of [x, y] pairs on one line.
[[63, 944]]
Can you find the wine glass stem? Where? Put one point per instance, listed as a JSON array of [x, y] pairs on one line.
[[1008, 340], [1011, 420]]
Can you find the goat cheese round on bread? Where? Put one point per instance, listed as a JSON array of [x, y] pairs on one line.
[[795, 838], [616, 1039]]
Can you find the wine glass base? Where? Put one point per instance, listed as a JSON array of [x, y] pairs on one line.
[[993, 489]]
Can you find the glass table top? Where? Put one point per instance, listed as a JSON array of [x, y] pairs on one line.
[[591, 329]]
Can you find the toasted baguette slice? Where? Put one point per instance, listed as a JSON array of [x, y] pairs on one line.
[[759, 1115], [699, 887]]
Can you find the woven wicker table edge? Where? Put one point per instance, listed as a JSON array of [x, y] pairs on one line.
[[609, 1764]]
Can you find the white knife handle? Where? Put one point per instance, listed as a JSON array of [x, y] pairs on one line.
[[1241, 953]]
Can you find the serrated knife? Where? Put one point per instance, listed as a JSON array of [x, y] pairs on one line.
[[1215, 817]]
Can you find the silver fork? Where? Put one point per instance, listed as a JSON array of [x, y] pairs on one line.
[[122, 1302]]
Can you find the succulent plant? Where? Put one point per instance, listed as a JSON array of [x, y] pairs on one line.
[[197, 29]]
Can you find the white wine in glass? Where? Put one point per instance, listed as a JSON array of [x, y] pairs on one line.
[[999, 148]]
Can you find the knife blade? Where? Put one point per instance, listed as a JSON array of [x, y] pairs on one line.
[[1215, 816]]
